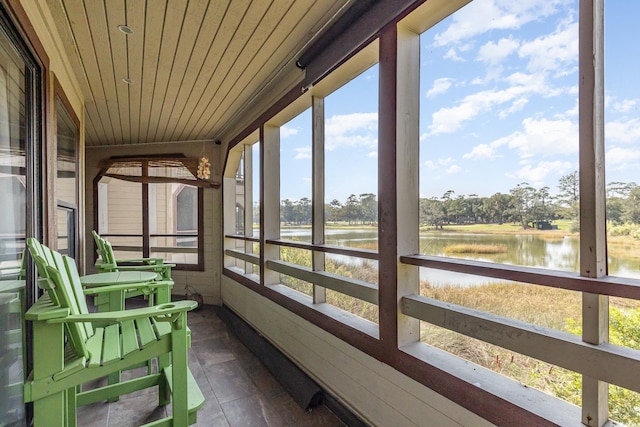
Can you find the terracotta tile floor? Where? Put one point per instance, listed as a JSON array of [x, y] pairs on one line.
[[239, 390]]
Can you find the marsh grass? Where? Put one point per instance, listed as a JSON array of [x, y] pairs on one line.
[[364, 270], [539, 305], [548, 307], [475, 249], [623, 247]]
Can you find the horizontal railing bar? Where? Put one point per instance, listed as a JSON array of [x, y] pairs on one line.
[[251, 258], [606, 362], [152, 235], [174, 249], [355, 288], [609, 285], [338, 250], [175, 235], [242, 237]]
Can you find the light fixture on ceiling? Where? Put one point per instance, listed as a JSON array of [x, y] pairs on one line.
[[127, 80], [125, 29]]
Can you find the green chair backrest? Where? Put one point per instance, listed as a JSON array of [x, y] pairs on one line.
[[110, 257], [41, 256], [69, 293], [97, 239], [65, 290]]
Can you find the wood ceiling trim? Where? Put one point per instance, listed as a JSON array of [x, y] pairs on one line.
[[90, 132], [135, 19], [195, 67], [254, 46], [192, 26], [115, 16], [97, 20], [290, 42], [75, 13], [230, 33], [250, 26], [173, 22], [154, 23]]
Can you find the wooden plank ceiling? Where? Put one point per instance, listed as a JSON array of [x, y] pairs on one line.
[[193, 64]]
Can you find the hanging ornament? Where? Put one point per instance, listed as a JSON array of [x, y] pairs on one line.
[[204, 165]]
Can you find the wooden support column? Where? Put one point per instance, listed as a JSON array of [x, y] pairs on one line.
[[145, 212], [593, 251], [407, 175], [397, 184], [229, 212], [248, 203], [318, 218], [269, 201], [387, 202]]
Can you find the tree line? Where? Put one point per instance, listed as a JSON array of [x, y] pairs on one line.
[[523, 204]]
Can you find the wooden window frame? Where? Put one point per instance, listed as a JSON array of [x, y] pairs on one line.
[[146, 235]]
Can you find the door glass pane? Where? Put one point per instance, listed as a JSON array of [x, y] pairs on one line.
[[13, 196], [173, 222], [66, 186], [120, 215], [67, 182]]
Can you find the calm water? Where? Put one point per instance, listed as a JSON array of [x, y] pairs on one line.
[[557, 254]]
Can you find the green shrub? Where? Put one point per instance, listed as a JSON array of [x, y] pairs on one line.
[[626, 229], [624, 330]]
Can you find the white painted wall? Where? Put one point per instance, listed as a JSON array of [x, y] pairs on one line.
[[206, 282], [376, 392]]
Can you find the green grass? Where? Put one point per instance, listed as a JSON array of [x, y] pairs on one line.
[[475, 249], [506, 228]]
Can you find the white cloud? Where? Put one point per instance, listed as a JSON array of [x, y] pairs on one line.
[[450, 119], [573, 112], [537, 175], [623, 131], [303, 153], [494, 53], [452, 54], [625, 105], [373, 154], [517, 105], [286, 132], [557, 51], [453, 169], [352, 130], [543, 137], [440, 85], [482, 151], [444, 162], [481, 16], [621, 158]]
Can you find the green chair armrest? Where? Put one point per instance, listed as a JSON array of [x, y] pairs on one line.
[[150, 261], [153, 267], [105, 289], [44, 309], [161, 310]]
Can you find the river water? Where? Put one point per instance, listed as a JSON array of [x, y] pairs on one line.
[[556, 253]]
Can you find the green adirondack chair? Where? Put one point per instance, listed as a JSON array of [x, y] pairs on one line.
[[107, 261], [44, 257], [69, 350], [15, 271]]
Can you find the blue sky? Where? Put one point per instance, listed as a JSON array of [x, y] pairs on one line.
[[498, 105]]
